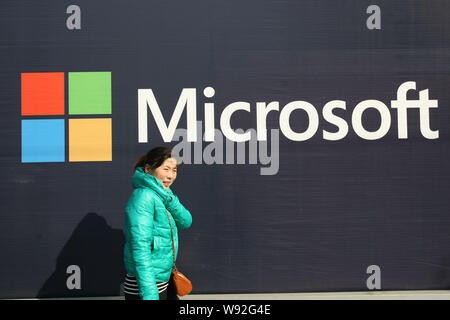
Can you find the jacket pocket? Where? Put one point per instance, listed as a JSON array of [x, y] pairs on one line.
[[156, 243]]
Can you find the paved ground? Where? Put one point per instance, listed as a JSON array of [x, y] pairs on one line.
[[366, 295], [372, 295]]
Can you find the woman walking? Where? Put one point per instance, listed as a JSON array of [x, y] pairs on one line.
[[153, 216]]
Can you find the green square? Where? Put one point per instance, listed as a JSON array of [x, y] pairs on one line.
[[89, 92]]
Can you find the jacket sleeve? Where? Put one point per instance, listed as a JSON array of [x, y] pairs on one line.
[[180, 214], [140, 212]]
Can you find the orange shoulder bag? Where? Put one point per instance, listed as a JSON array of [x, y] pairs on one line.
[[182, 284]]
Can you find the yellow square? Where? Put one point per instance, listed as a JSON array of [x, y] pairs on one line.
[[90, 139]]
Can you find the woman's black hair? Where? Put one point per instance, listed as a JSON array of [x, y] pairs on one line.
[[154, 158]]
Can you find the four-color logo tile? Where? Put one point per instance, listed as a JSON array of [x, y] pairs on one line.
[[44, 131]]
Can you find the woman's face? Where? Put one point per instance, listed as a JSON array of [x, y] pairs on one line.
[[166, 172]]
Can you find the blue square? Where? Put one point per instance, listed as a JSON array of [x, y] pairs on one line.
[[43, 140]]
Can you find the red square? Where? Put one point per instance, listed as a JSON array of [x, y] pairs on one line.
[[42, 93]]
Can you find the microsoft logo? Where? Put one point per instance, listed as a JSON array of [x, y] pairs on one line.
[[45, 130]]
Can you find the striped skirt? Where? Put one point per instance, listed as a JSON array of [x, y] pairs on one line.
[[131, 287]]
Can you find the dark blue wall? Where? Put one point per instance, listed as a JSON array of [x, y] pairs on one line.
[[332, 209]]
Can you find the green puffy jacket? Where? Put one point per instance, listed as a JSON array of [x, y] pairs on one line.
[[148, 253]]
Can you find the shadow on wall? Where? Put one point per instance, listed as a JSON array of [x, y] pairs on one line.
[[90, 264], [443, 276]]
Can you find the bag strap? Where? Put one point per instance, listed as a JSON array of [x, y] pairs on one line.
[[173, 243]]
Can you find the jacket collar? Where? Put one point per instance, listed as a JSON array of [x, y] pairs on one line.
[[145, 180]]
